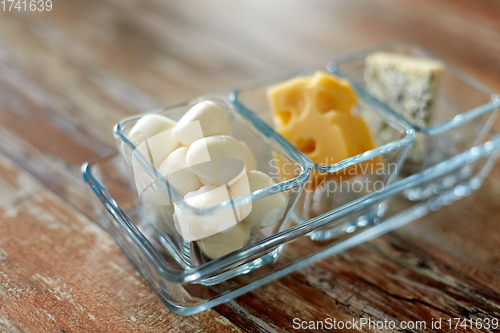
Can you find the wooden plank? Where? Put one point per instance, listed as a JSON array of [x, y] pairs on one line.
[[59, 272]]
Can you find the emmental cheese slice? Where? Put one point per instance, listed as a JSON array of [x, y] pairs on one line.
[[315, 115]]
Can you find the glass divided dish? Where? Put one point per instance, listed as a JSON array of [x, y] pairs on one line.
[[462, 149], [462, 112]]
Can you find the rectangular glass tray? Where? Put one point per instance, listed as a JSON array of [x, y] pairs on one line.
[[189, 291]]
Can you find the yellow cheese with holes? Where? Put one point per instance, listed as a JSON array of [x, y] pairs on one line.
[[315, 115]]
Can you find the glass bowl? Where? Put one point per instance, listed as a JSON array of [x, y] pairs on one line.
[[345, 181], [461, 115], [158, 200]]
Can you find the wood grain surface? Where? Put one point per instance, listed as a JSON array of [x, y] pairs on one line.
[[66, 76]]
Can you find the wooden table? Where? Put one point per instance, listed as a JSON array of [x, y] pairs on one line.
[[66, 76]]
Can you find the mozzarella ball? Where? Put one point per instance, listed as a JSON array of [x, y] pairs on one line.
[[194, 226], [210, 159], [239, 189], [266, 211], [211, 117], [226, 241], [176, 171], [158, 131]]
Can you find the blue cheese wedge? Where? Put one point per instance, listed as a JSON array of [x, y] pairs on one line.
[[408, 86]]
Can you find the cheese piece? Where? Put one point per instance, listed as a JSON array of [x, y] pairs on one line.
[[153, 137], [219, 159], [314, 114], [408, 86], [211, 118], [175, 169], [264, 212], [148, 126], [194, 226], [226, 241]]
